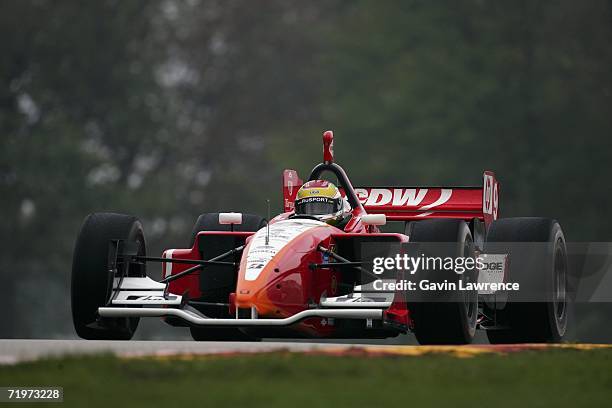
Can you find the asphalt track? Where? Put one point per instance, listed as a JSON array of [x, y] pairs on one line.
[[14, 351]]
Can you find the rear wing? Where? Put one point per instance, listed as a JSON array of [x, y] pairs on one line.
[[403, 203], [418, 203]]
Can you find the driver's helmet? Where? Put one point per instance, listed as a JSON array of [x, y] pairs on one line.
[[322, 200]]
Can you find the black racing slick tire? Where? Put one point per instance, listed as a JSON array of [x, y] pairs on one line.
[[451, 320], [538, 262], [92, 281], [210, 222]]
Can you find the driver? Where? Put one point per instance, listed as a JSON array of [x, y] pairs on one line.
[[322, 200]]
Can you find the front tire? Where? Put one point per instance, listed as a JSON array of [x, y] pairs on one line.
[[447, 321], [92, 282]]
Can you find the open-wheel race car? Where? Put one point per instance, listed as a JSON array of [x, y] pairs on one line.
[[307, 273]]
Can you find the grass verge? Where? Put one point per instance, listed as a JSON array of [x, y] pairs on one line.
[[560, 378]]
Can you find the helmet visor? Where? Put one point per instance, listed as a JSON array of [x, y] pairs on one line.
[[316, 206]]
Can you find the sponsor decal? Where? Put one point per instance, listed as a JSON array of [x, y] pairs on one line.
[[492, 272], [281, 234], [401, 197], [151, 298], [315, 200]]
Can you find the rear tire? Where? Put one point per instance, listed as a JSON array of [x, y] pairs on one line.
[[528, 320], [445, 322], [92, 281], [210, 222]]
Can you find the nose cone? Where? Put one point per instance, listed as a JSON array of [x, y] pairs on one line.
[[274, 273]]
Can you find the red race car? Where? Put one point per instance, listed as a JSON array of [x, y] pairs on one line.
[[324, 269]]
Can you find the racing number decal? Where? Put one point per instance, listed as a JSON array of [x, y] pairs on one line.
[[255, 265], [487, 203], [490, 196], [495, 198]]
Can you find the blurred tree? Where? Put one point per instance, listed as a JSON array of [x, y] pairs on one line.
[[154, 108], [248, 70], [435, 93], [76, 117]]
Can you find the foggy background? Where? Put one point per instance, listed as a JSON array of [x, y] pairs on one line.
[[168, 109]]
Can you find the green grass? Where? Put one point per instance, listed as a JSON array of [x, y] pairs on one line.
[[531, 379]]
